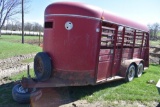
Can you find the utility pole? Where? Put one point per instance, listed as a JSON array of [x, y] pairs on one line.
[[22, 22]]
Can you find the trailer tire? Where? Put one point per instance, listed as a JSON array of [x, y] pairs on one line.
[[22, 95], [130, 73], [139, 70], [42, 66]]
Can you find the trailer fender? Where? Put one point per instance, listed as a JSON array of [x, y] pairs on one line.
[[126, 63]]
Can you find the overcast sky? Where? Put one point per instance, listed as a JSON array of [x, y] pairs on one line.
[[144, 11]]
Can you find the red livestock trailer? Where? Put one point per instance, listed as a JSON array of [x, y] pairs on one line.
[[85, 45]]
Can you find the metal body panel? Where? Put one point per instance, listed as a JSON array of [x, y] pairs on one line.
[[72, 51]]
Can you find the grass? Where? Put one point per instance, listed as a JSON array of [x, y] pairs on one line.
[[137, 90], [18, 38], [154, 43], [6, 99], [22, 74], [28, 60], [158, 34], [6, 91], [9, 47]]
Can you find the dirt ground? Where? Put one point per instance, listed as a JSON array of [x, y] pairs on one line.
[[154, 55], [83, 103], [13, 65]]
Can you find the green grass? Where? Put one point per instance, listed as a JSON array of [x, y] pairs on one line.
[[6, 99], [9, 48], [18, 38], [137, 90], [154, 43], [158, 34], [6, 91], [20, 75], [28, 60]]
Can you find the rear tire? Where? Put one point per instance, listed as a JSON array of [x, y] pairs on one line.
[[139, 70], [130, 73], [42, 66]]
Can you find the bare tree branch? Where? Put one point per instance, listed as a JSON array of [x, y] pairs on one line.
[[9, 8]]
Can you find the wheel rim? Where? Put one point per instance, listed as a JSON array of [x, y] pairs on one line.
[[140, 70], [131, 73], [22, 90], [25, 90]]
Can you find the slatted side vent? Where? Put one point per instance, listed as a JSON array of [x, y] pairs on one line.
[[107, 38], [141, 39], [129, 37], [138, 39], [132, 38], [119, 36]]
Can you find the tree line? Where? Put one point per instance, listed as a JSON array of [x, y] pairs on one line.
[[154, 31], [11, 8], [28, 26]]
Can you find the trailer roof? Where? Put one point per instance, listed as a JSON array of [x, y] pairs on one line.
[[80, 9]]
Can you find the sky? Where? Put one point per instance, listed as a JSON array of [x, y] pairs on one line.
[[142, 11]]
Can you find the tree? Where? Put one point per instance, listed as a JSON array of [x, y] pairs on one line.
[[17, 26], [156, 27], [37, 27], [9, 26], [9, 8], [28, 27], [153, 30]]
